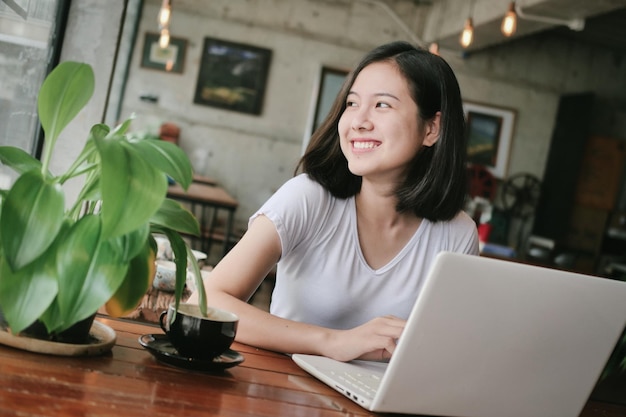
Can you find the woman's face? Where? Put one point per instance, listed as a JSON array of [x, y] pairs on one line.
[[380, 130]]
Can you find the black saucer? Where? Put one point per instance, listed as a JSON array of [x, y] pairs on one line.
[[161, 348]]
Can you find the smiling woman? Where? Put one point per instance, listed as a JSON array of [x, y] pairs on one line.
[[378, 193]]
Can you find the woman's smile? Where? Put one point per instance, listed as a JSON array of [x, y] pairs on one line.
[[359, 146]]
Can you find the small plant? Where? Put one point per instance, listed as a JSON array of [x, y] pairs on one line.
[[59, 262]]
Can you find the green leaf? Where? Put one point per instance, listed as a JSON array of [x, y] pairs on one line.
[[89, 272], [132, 244], [88, 160], [132, 190], [168, 158], [179, 247], [65, 91], [198, 280], [172, 215], [18, 160], [136, 283], [26, 294], [121, 129], [32, 215]]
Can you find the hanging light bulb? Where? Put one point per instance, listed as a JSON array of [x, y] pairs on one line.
[[164, 23], [434, 48], [165, 14], [164, 39], [468, 33], [509, 23]]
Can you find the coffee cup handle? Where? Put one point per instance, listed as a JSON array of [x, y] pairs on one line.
[[161, 318]]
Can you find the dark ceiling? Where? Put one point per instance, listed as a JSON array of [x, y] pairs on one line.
[[606, 30]]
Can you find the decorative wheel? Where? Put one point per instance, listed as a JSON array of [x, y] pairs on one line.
[[481, 182], [520, 195]]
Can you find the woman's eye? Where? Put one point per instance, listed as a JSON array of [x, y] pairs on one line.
[[383, 105], [350, 103]]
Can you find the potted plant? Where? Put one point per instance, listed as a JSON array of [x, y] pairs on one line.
[[61, 261]]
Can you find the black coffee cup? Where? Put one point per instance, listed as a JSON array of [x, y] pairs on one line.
[[197, 336]]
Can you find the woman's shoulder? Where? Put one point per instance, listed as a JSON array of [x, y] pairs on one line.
[[460, 220], [303, 180], [302, 184], [460, 233], [463, 219], [300, 194]]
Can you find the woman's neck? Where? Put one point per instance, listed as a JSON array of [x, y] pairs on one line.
[[382, 231]]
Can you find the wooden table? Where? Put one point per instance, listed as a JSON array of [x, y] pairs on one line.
[[204, 180], [129, 382], [211, 199]]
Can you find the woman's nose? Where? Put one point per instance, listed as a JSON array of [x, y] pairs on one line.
[[361, 120]]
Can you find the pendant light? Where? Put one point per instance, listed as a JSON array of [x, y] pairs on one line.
[[467, 36], [509, 23], [164, 39], [434, 48], [165, 13]]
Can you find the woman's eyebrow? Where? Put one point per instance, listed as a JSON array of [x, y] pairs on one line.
[[387, 95], [376, 95]]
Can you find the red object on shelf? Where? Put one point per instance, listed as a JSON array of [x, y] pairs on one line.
[[169, 132], [481, 182], [484, 230]]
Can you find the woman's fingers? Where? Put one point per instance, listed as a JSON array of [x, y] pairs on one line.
[[374, 340]]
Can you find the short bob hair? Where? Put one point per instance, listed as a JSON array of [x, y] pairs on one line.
[[436, 184]]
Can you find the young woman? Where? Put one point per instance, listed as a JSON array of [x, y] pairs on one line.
[[379, 194]]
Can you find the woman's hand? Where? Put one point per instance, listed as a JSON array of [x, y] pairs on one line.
[[374, 340]]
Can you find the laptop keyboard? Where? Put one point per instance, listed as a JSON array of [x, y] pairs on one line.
[[364, 383]]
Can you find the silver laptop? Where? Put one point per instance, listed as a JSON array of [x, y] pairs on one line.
[[491, 338]]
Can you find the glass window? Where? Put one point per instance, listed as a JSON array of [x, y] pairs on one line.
[[29, 30]]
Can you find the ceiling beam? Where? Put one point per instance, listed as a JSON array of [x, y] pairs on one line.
[[447, 18]]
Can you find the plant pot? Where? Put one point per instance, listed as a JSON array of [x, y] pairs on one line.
[[86, 338], [76, 334]]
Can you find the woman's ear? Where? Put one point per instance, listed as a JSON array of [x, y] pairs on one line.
[[431, 135]]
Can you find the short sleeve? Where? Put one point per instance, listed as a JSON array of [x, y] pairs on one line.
[[464, 234], [296, 209]]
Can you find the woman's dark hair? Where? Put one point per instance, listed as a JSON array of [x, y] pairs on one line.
[[436, 184]]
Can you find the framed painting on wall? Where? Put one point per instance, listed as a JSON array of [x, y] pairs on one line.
[[489, 135], [170, 59], [232, 76]]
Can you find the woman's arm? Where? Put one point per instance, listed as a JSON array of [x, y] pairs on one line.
[[235, 278]]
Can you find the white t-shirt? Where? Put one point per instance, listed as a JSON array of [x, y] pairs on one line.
[[322, 277]]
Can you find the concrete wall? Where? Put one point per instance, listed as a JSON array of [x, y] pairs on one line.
[[253, 155]]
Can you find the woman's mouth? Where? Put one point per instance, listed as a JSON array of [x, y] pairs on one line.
[[365, 144]]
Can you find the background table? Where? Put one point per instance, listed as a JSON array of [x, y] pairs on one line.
[[212, 199], [129, 382]]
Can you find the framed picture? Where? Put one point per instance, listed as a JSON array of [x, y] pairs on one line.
[[331, 80], [489, 131], [232, 76], [170, 59]]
